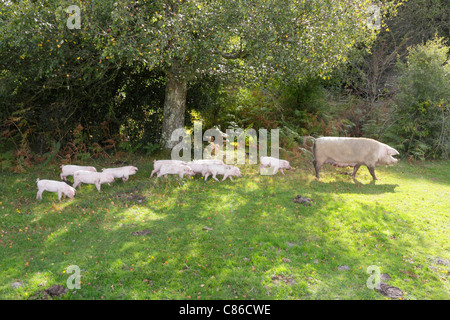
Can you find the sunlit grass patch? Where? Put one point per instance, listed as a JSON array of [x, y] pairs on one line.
[[242, 239]]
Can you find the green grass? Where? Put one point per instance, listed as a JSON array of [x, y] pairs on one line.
[[262, 245]]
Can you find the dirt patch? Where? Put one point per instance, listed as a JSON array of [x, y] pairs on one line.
[[282, 279], [54, 291], [141, 233], [390, 291], [131, 197], [305, 201]]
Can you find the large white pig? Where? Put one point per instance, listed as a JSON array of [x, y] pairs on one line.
[[96, 178], [173, 168], [121, 172], [158, 163], [352, 152], [69, 169], [227, 171], [276, 164], [62, 188]]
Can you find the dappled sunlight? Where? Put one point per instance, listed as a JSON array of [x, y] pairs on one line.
[[173, 239]]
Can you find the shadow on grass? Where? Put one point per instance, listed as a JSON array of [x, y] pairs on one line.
[[354, 187], [215, 240]]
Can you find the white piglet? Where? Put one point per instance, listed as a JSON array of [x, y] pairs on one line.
[[62, 188], [68, 170], [178, 169], [157, 164], [96, 178], [274, 163], [198, 167], [227, 171], [209, 161], [121, 172]]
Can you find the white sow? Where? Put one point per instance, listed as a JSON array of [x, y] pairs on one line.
[[62, 188], [88, 177], [352, 152], [69, 169]]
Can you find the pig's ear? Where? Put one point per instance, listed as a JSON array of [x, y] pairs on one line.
[[392, 151]]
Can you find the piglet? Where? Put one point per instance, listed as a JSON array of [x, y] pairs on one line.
[[97, 178], [198, 167], [227, 171], [274, 163], [62, 188], [121, 172], [68, 170], [158, 163], [179, 169], [209, 161]]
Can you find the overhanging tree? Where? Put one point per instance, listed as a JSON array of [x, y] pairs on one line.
[[260, 38], [186, 39]]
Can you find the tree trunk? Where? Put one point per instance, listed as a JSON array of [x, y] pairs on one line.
[[174, 106]]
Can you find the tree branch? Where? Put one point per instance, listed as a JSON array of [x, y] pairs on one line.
[[241, 54]]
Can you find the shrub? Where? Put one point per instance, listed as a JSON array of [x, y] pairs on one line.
[[422, 102]]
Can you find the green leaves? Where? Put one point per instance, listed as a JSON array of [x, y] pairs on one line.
[[423, 101]]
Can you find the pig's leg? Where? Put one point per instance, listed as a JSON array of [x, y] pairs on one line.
[[354, 170], [275, 170], [261, 167], [282, 171], [97, 185], [76, 183], [59, 195], [39, 194], [317, 166], [214, 177], [372, 172], [153, 172]]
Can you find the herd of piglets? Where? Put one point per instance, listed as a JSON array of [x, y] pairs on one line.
[[204, 167], [89, 174], [337, 151], [82, 174]]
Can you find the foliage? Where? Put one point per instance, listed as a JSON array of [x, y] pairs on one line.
[[423, 101], [58, 78]]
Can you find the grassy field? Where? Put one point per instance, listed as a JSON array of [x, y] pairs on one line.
[[242, 239]]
